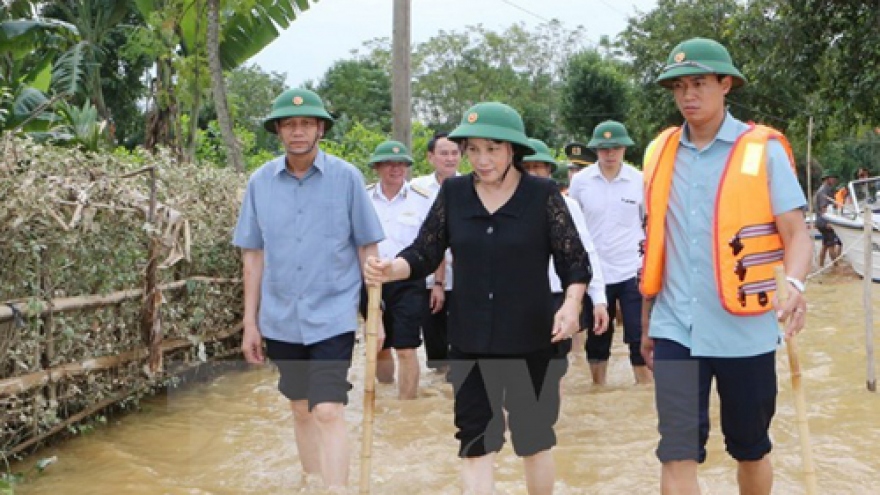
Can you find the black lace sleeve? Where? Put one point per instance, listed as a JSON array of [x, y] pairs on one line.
[[571, 259], [429, 247]]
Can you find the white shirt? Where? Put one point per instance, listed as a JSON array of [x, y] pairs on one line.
[[430, 183], [401, 217], [596, 289], [613, 210]]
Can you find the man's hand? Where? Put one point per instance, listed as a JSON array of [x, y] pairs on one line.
[[600, 318], [438, 296], [252, 344], [792, 312]]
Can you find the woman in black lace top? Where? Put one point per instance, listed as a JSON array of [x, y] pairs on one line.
[[502, 226]]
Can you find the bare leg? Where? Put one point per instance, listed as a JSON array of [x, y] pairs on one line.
[[679, 478], [755, 477], [478, 475], [407, 373], [333, 436], [822, 253], [540, 473], [577, 347], [643, 375], [600, 372], [306, 433], [385, 366]]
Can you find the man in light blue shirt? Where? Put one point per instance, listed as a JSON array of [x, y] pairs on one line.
[[305, 226], [692, 335]]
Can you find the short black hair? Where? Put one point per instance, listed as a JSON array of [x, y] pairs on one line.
[[436, 137]]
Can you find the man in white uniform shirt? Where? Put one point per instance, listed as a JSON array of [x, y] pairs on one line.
[[595, 314], [402, 209], [611, 197], [445, 156]]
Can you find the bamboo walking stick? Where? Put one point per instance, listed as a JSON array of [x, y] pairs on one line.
[[800, 404], [374, 295]]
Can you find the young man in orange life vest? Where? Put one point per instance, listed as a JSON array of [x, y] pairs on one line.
[[723, 208]]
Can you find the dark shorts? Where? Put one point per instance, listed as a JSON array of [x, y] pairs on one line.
[[829, 238], [317, 372], [527, 387], [434, 332], [598, 347], [404, 307], [747, 392]]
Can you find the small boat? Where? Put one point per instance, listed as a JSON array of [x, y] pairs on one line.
[[848, 219]]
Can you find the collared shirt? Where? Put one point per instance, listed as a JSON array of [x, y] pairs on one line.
[[596, 289], [401, 217], [501, 303], [309, 229], [430, 183], [613, 210], [688, 308]]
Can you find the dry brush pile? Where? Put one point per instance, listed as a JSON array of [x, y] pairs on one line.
[[74, 244]]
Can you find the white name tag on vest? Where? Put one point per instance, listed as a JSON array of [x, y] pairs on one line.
[[752, 159]]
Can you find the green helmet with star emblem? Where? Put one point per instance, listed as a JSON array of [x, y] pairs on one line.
[[493, 120], [297, 103], [542, 154], [699, 56], [390, 151], [610, 134]]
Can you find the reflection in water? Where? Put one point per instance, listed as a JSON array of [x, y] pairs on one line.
[[235, 435]]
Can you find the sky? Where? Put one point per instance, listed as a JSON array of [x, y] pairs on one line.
[[331, 29]]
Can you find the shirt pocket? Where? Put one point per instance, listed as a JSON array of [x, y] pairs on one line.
[[410, 223], [627, 213], [335, 220]]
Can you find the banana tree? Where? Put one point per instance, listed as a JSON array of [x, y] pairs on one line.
[[35, 56], [96, 21], [244, 28]]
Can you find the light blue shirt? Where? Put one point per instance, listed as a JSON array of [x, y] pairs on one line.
[[688, 308], [309, 230]]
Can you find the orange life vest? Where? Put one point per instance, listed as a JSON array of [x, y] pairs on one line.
[[746, 243], [840, 197]]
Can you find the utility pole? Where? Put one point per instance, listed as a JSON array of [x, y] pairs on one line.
[[809, 168], [401, 94]]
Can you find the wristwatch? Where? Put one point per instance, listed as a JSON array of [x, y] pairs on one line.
[[797, 284], [439, 283]]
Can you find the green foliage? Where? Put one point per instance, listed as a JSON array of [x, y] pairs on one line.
[[595, 89], [250, 92], [357, 144], [80, 126], [359, 90], [454, 70], [211, 149]]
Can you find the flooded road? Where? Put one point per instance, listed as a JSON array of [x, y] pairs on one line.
[[234, 435]]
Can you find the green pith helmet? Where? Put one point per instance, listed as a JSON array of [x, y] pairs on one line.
[[829, 173], [390, 151], [542, 154], [297, 103], [699, 56], [610, 134], [493, 120]]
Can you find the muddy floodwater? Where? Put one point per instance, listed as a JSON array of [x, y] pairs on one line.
[[234, 435]]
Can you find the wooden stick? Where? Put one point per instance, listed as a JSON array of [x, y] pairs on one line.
[[867, 287], [35, 307], [24, 383], [800, 404], [374, 295]]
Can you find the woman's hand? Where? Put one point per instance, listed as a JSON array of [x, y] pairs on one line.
[[377, 271], [567, 320]]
